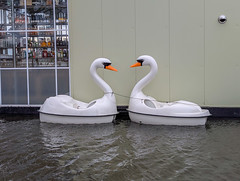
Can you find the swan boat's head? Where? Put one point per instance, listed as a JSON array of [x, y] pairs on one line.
[[103, 63], [145, 60]]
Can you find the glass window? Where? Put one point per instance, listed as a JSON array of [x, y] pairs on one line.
[[33, 43], [12, 15], [63, 81], [19, 14], [41, 49], [41, 85], [62, 49], [13, 50], [61, 14], [14, 86], [40, 14], [6, 50]]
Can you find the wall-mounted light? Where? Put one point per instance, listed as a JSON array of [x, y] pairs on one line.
[[222, 19]]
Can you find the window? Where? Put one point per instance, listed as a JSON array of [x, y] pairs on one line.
[[34, 51]]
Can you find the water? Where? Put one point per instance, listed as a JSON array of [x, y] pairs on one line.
[[30, 150]]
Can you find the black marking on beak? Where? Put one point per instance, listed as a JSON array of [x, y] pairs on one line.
[[140, 61], [106, 64]]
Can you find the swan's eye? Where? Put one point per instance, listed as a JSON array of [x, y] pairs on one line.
[[140, 61], [106, 64]]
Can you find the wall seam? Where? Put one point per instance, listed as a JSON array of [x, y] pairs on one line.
[[69, 54], [169, 39], [204, 52], [135, 46], [102, 25], [102, 32]]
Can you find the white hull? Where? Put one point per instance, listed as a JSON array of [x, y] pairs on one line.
[[166, 120], [50, 118]]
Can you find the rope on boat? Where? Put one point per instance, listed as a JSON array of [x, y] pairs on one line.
[[129, 97]]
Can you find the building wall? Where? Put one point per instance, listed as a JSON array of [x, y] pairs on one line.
[[198, 58]]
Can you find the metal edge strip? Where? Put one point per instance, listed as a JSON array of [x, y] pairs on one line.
[[165, 115], [77, 115]]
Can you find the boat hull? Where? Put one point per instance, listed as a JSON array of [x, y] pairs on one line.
[[166, 120], [64, 119]]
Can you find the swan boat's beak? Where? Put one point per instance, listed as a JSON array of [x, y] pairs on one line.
[[109, 67], [138, 64]]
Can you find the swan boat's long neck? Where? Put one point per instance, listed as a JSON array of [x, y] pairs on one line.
[[99, 81], [145, 80]]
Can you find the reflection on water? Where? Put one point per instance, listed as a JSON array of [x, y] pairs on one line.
[[127, 151]]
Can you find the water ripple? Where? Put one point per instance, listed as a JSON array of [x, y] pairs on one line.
[[30, 150]]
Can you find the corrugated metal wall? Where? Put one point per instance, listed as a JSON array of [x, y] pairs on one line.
[[198, 58]]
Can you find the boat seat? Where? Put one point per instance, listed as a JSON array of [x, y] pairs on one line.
[[149, 103], [91, 104]]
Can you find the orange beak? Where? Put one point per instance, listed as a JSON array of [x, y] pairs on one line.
[[136, 65], [109, 67]]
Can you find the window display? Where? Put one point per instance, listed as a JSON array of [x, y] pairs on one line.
[[33, 35]]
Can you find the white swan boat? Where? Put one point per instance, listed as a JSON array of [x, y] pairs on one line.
[[146, 110], [66, 110]]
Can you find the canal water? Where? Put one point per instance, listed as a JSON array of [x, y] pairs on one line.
[[30, 150]]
